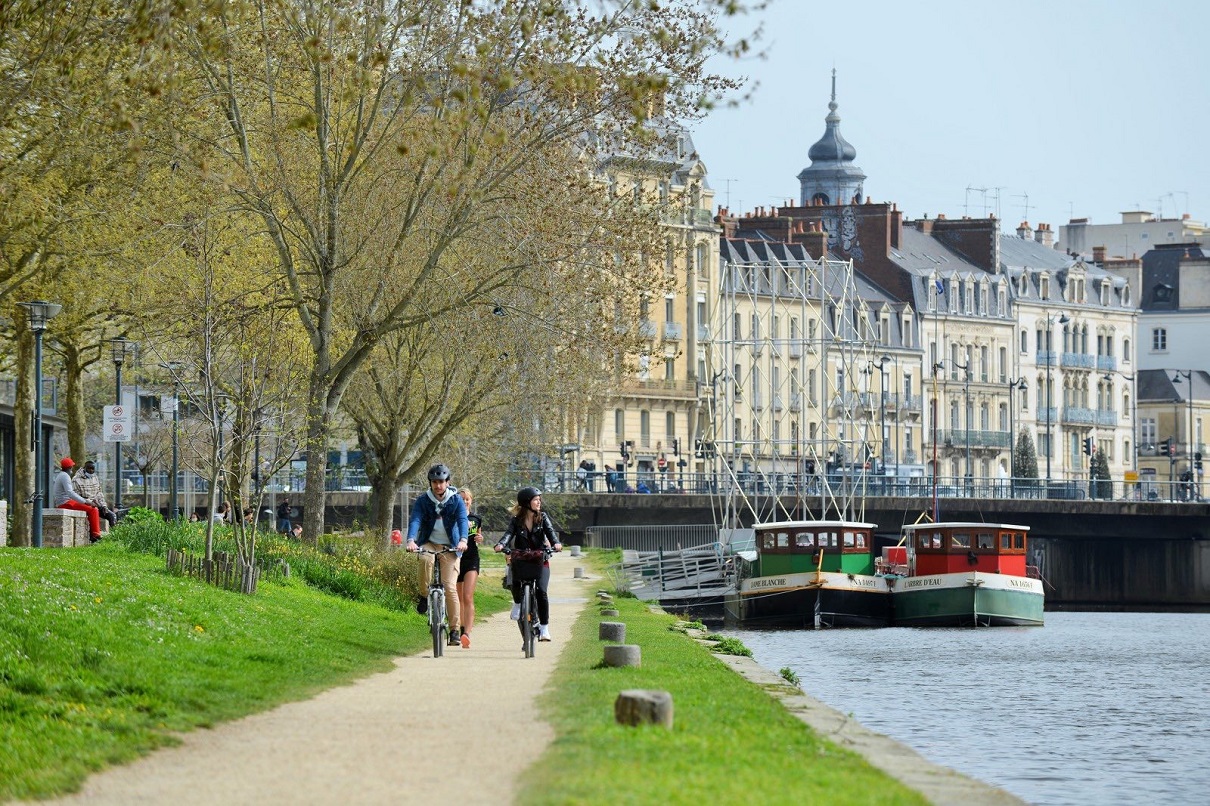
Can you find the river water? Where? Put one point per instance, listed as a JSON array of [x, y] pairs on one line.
[[1093, 708]]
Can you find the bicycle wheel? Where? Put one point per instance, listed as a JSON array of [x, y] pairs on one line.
[[437, 621], [528, 619]]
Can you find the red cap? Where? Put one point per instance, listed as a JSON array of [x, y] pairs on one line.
[[396, 537], [67, 463]]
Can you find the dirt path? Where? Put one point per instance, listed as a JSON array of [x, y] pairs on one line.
[[387, 738]]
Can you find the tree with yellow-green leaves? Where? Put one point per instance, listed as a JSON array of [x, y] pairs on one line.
[[383, 144]]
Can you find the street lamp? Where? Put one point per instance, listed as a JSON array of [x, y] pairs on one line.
[[1050, 392], [1188, 376], [119, 349], [966, 392], [1018, 385], [175, 367], [40, 313]]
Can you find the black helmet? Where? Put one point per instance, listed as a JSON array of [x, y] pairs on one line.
[[439, 473], [527, 494]]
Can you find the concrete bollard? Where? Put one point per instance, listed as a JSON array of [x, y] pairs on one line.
[[612, 631], [578, 573], [609, 611], [575, 551], [643, 707], [623, 655], [604, 597]]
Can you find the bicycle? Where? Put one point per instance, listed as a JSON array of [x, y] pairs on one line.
[[438, 626], [527, 619]]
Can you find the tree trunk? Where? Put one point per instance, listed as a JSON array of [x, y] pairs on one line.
[[23, 452], [315, 494], [73, 402], [382, 511]]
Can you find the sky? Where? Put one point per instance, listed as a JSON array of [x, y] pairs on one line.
[[1076, 108]]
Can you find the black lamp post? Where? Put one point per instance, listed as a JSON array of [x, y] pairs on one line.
[[175, 367], [1017, 385], [40, 313], [1188, 376], [1050, 395], [966, 393], [120, 348]]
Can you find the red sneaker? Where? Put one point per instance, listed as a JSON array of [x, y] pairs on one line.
[[466, 641]]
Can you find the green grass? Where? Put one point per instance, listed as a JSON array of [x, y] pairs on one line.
[[731, 742], [104, 655]]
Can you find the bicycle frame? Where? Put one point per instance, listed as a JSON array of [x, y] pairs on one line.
[[438, 626]]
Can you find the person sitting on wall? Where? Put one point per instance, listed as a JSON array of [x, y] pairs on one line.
[[64, 496]]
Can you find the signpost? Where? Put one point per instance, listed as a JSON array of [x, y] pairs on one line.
[[119, 424]]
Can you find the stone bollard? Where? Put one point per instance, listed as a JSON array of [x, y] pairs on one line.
[[575, 551], [622, 655], [578, 573], [609, 611], [643, 707], [604, 597], [612, 631]]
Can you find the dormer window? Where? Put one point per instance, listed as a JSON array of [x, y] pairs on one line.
[[1104, 292], [1044, 287]]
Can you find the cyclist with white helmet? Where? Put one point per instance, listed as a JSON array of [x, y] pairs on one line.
[[439, 519], [529, 536]]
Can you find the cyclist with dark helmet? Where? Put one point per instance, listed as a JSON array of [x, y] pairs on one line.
[[439, 519], [528, 538]]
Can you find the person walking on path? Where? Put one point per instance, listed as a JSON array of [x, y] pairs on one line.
[[529, 536], [468, 568], [88, 484], [439, 519], [64, 496]]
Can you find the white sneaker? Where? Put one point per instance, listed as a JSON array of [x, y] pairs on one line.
[[516, 614], [543, 632]]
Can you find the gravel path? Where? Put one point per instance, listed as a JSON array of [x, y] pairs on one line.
[[388, 738]]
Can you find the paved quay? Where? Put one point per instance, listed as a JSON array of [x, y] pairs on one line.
[[442, 729]]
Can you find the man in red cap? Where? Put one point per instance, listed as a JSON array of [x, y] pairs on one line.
[[64, 496]]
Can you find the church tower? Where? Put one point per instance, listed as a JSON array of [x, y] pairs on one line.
[[831, 178]]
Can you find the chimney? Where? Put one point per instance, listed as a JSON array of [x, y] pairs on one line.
[[924, 225], [1098, 254], [814, 240], [1023, 230], [1045, 236]]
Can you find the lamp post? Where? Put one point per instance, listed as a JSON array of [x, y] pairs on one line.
[[1050, 393], [966, 393], [119, 348], [1018, 385], [174, 367], [40, 312], [1188, 376]]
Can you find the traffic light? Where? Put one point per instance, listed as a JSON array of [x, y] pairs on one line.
[[1089, 447], [1197, 461], [676, 446], [1168, 447]]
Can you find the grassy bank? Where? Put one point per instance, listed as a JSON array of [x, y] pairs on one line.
[[104, 655], [731, 741]]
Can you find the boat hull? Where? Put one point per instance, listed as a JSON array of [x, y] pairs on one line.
[[814, 600], [968, 599]]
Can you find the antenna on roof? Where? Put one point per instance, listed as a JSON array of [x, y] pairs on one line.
[[727, 192], [1026, 205]]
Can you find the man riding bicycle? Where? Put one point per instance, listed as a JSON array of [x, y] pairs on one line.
[[439, 518], [529, 535]]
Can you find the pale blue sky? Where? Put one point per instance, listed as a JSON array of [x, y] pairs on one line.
[[1090, 108]]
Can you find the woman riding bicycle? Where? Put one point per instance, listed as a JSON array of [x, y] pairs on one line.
[[528, 538]]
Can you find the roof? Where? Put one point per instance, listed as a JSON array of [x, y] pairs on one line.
[[1159, 385], [1161, 289]]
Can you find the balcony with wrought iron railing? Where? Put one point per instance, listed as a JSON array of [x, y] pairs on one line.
[[1078, 361], [1107, 417], [647, 329], [1107, 363], [957, 438], [679, 389], [672, 331], [1079, 416]]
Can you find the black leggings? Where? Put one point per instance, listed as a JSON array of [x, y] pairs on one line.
[[539, 594]]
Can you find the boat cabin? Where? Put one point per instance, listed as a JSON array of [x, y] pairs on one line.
[[948, 548], [794, 547]]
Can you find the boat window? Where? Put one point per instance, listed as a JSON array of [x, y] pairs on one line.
[[849, 540], [860, 540], [768, 541], [985, 540], [783, 540], [960, 540], [1006, 541], [1019, 540], [805, 540]]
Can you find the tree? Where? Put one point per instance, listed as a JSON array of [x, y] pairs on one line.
[[1025, 459], [1101, 482], [382, 144]]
